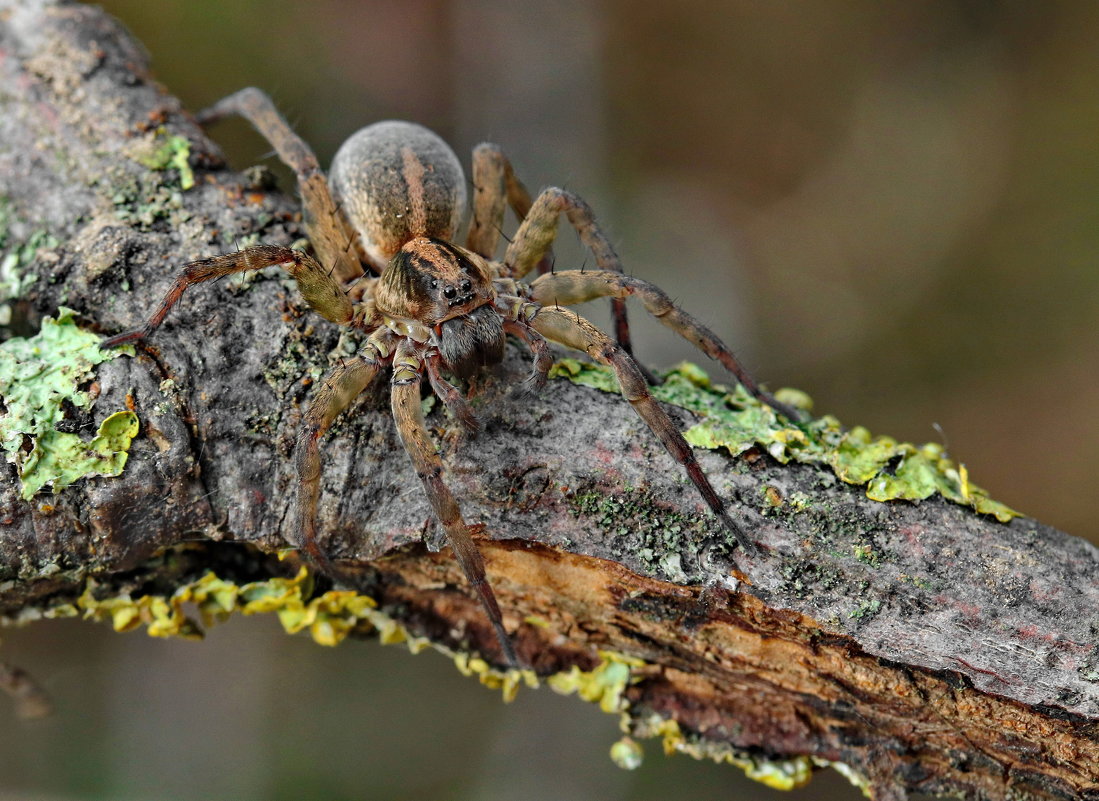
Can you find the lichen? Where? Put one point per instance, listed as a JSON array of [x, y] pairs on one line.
[[778, 774], [331, 617], [657, 535], [328, 618], [165, 152], [39, 377], [16, 277], [604, 685], [736, 421], [627, 754], [867, 608]]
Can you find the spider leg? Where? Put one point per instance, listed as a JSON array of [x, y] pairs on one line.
[[341, 386], [570, 329], [573, 286], [537, 232], [408, 413], [325, 225], [494, 182], [450, 396], [320, 290], [543, 357]]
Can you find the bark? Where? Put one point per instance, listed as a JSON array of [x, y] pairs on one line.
[[963, 659]]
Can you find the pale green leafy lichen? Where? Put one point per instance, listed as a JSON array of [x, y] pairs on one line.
[[38, 375], [171, 153], [13, 280], [15, 275], [736, 421], [61, 458]]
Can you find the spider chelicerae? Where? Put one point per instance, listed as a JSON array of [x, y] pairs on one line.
[[387, 264]]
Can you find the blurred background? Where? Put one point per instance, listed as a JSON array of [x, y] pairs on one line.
[[890, 205]]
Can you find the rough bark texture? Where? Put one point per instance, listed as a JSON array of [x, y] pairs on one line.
[[964, 660]]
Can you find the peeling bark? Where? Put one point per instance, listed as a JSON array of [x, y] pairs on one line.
[[961, 658]]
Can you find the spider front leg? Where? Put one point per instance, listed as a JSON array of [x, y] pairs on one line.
[[408, 413], [325, 224], [318, 288], [570, 329], [341, 386], [574, 286], [535, 237], [450, 396], [543, 356]]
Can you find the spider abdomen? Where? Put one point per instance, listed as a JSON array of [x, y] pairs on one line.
[[472, 341], [396, 181]]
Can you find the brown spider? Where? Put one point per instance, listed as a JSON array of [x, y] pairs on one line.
[[437, 307]]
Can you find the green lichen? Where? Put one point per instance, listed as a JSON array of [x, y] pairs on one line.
[[171, 153], [662, 534], [38, 377], [866, 609], [736, 422], [16, 277], [866, 553]]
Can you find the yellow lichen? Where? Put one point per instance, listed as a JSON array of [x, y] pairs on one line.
[[627, 754], [604, 685], [331, 617]]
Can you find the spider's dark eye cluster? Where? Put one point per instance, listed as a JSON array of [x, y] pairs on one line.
[[451, 292]]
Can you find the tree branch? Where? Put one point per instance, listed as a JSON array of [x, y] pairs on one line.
[[923, 645]]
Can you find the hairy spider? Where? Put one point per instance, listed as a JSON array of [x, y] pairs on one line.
[[432, 306]]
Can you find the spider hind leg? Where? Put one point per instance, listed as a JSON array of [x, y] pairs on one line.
[[535, 236], [326, 226]]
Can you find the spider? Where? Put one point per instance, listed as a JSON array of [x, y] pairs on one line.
[[387, 263]]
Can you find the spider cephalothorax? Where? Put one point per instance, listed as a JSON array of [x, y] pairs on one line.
[[439, 308]]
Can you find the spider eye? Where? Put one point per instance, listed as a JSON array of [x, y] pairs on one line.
[[434, 284], [449, 292], [466, 286]]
